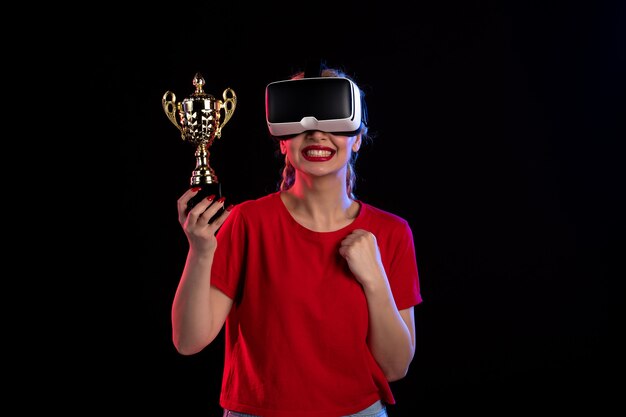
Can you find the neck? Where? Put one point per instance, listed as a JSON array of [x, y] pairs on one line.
[[319, 207]]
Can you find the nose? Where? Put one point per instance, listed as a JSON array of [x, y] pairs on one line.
[[316, 135]]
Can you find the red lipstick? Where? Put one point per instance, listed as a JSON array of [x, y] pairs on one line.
[[317, 153]]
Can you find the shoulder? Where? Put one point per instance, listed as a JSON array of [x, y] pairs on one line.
[[393, 232], [383, 217], [261, 205], [251, 214]]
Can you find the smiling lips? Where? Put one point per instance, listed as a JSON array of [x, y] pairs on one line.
[[317, 153]]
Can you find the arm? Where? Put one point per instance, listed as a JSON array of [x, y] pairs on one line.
[[199, 310], [391, 332], [391, 335]]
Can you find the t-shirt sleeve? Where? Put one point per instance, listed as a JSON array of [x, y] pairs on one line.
[[402, 269], [226, 271]]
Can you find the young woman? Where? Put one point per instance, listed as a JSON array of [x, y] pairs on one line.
[[316, 288]]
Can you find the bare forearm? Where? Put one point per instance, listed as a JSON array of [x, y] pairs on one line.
[[192, 328], [390, 339]]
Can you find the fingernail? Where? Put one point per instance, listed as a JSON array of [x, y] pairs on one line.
[[221, 200], [230, 207], [211, 197], [196, 188]]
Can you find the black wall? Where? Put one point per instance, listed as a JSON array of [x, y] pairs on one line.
[[495, 125]]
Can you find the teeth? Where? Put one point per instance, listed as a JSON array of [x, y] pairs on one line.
[[318, 153]]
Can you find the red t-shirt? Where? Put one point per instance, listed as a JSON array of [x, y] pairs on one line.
[[296, 335]]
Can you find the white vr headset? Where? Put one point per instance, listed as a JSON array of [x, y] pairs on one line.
[[329, 104]]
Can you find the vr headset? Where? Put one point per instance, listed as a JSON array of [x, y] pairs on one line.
[[329, 104]]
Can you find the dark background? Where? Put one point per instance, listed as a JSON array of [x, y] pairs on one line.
[[495, 127]]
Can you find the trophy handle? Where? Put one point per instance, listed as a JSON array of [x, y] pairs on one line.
[[170, 107], [228, 105]]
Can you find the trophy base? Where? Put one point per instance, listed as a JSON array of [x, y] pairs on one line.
[[205, 191]]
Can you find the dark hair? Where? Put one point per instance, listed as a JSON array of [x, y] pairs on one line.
[[288, 173]]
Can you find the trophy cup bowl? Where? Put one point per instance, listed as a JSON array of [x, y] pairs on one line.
[[200, 119]]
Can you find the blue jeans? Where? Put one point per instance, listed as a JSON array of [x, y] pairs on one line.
[[375, 410]]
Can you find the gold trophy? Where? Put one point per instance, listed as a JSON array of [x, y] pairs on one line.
[[200, 120]]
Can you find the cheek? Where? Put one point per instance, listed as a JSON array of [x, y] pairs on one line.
[[292, 148]]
